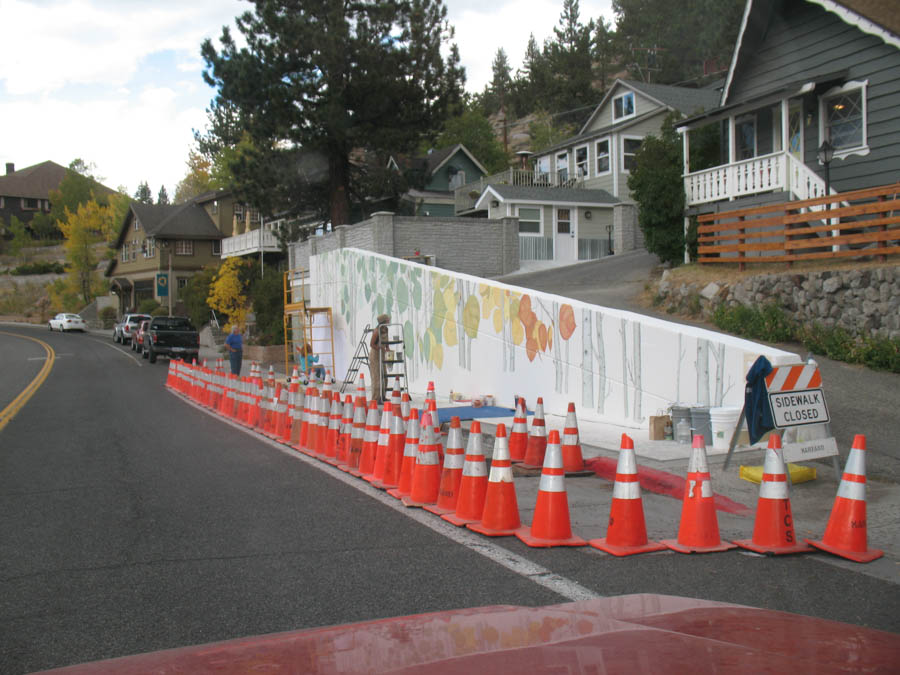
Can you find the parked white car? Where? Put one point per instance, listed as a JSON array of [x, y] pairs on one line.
[[67, 322]]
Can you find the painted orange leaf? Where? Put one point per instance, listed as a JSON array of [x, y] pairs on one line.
[[542, 336], [531, 348], [566, 321]]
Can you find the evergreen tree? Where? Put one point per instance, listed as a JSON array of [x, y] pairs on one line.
[[604, 51], [163, 196], [474, 131], [143, 194], [570, 55], [325, 78]]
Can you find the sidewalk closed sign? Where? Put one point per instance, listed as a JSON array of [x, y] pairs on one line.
[[795, 408], [162, 285]]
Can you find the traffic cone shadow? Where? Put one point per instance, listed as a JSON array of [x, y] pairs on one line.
[[846, 534], [627, 530], [698, 531], [551, 525]]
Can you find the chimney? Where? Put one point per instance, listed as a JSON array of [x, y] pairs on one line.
[[10, 168]]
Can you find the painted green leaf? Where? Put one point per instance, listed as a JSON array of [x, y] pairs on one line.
[[427, 339], [379, 305], [417, 294], [388, 301], [408, 339], [402, 295], [392, 270], [368, 291]]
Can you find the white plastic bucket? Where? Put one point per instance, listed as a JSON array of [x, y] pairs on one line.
[[723, 421]]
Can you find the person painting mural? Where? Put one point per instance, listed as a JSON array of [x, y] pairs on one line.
[[306, 361], [378, 344]]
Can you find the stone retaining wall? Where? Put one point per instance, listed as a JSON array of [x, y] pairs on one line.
[[861, 301]]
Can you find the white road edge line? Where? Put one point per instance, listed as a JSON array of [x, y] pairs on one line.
[[120, 351], [567, 588]]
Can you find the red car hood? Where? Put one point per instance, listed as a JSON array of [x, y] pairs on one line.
[[627, 634]]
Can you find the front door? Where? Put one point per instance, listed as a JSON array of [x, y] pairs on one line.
[[566, 241]]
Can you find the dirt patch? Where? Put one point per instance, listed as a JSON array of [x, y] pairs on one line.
[[729, 272]]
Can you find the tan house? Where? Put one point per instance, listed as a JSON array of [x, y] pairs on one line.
[[160, 247]]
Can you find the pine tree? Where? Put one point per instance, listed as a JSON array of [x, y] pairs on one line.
[[324, 78], [163, 197], [143, 194]]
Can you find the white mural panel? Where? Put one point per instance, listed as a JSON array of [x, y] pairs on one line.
[[482, 337]]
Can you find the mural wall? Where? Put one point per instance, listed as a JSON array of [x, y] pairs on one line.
[[480, 337]]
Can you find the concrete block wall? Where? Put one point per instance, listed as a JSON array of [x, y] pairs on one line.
[[477, 246], [627, 234], [477, 336]]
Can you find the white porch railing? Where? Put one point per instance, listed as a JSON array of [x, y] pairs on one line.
[[777, 171], [535, 248], [250, 242]]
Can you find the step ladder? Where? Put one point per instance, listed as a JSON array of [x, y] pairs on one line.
[[393, 364]]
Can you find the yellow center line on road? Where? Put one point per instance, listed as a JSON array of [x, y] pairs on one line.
[[10, 411]]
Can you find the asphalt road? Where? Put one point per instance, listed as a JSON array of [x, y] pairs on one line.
[[131, 521], [860, 400]]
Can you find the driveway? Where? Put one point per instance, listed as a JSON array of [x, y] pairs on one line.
[[860, 400]]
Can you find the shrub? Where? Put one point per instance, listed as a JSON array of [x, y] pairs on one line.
[[39, 268], [148, 306], [159, 311], [107, 316]]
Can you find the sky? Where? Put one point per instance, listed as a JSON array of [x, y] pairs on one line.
[[118, 83]]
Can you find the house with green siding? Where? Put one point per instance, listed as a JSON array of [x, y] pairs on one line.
[[437, 174]]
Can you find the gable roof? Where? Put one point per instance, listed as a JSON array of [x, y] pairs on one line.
[[683, 99], [875, 17], [170, 221], [33, 181], [545, 195], [432, 162]]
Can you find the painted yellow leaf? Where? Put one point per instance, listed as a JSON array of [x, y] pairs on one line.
[[518, 331], [451, 299], [450, 332], [437, 356], [498, 295], [498, 321], [484, 290], [471, 317], [550, 338]]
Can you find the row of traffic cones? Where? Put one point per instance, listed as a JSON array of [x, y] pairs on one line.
[[401, 452]]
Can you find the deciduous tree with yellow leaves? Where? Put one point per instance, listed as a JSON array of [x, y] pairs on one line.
[[227, 292], [83, 229]]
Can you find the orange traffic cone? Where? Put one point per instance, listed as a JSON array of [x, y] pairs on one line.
[[699, 528], [296, 401], [573, 462], [846, 533], [537, 439], [454, 457], [361, 392], [370, 442], [312, 422], [172, 375], [396, 446], [773, 529], [410, 451], [473, 484], [500, 517], [304, 420], [627, 530], [342, 454], [356, 437], [518, 437], [405, 406], [551, 525], [334, 429], [325, 400], [427, 473], [381, 448]]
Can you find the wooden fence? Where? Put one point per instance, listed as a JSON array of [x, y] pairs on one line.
[[850, 224]]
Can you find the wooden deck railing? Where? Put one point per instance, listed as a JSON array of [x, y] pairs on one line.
[[850, 224]]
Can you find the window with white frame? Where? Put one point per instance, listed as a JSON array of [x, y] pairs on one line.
[[137, 224], [238, 211], [529, 220], [125, 252], [843, 117], [214, 208], [458, 179], [149, 247], [134, 249], [29, 204], [254, 215], [216, 247], [623, 106], [602, 156], [542, 169], [562, 166], [630, 146], [184, 247], [182, 282], [581, 161]]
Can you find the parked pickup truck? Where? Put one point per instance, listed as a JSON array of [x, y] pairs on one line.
[[172, 336]]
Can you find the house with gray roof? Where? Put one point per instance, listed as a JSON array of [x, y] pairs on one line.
[[160, 247], [573, 201], [809, 80]]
